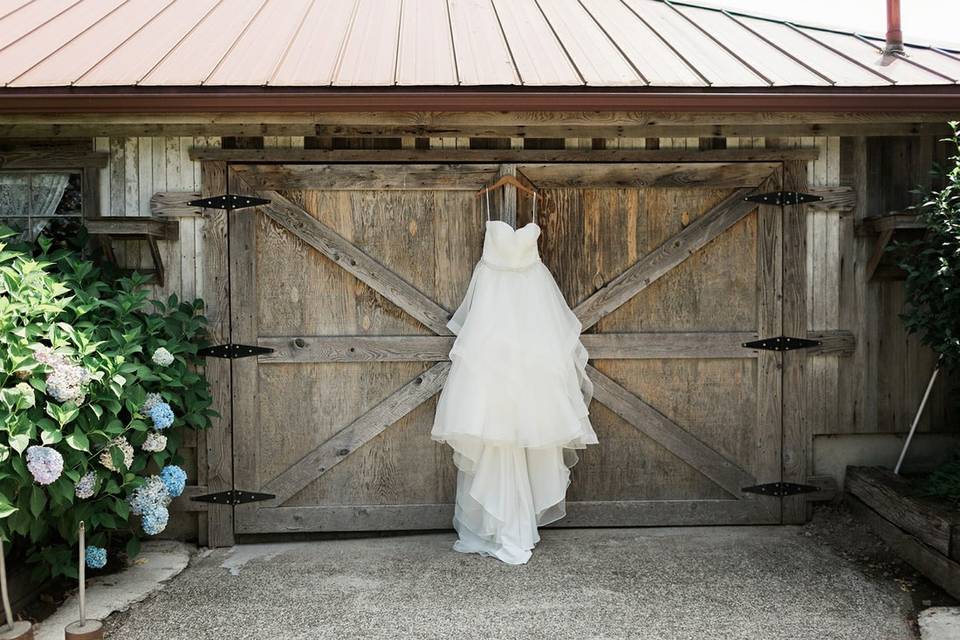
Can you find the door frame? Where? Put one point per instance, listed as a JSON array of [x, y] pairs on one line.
[[227, 262]]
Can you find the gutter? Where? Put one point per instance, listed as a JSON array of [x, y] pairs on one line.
[[943, 98]]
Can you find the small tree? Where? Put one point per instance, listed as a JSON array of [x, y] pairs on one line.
[[932, 265]]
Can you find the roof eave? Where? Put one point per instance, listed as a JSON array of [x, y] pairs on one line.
[[937, 98]]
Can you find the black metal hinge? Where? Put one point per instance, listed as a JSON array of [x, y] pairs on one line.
[[233, 497], [781, 198], [233, 351], [781, 489], [782, 343], [229, 202]]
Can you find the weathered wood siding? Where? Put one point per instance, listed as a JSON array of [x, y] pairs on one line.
[[874, 390]]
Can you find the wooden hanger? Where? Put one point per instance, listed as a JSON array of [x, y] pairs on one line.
[[504, 181]]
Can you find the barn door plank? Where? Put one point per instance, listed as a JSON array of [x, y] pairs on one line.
[[244, 329], [794, 309], [601, 346], [357, 433], [368, 177], [356, 348], [665, 431], [354, 260], [216, 295], [680, 174], [667, 256]]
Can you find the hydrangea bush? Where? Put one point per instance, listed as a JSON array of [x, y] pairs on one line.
[[91, 372]]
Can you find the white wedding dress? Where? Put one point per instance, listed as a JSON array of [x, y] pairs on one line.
[[514, 406]]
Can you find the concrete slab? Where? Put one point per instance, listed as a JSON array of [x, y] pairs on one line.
[[939, 623], [678, 583], [159, 560]]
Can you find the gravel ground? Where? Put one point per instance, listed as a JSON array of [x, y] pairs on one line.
[[677, 583]]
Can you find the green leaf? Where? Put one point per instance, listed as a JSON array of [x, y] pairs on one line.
[[133, 547], [19, 442], [6, 509], [38, 500], [78, 440]]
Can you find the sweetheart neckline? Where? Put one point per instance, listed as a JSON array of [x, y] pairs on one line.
[[506, 224]]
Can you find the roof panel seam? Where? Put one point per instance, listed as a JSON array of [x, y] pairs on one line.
[[41, 25], [453, 42], [61, 45], [293, 39], [563, 47], [180, 41], [779, 48], [840, 53], [946, 53], [338, 66], [730, 51], [899, 55], [169, 4], [667, 43], [20, 8], [506, 42], [616, 45], [233, 44]]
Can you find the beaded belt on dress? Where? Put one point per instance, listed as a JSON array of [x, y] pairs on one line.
[[503, 268]]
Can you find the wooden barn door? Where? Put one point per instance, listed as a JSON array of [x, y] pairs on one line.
[[350, 274], [669, 280]]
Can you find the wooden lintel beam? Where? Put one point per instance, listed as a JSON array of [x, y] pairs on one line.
[[53, 159], [502, 155]]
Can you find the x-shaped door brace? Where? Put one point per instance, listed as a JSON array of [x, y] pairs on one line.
[[643, 417]]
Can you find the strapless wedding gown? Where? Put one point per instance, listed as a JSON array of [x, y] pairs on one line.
[[514, 406]]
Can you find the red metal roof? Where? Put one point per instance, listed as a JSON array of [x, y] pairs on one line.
[[437, 43]]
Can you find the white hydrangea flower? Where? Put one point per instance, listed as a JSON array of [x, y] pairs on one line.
[[121, 443], [153, 399], [155, 442], [162, 357]]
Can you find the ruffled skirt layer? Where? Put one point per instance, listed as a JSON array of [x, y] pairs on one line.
[[514, 409]]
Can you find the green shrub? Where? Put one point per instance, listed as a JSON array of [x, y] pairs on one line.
[[932, 265], [79, 354]]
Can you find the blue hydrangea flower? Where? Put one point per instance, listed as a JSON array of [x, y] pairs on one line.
[[162, 415], [174, 478], [86, 485], [154, 521], [96, 557], [150, 495]]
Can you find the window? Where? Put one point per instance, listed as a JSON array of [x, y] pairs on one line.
[[41, 202]]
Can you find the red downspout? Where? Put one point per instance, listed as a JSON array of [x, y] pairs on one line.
[[894, 34]]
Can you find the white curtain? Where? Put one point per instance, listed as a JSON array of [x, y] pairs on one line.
[[27, 198]]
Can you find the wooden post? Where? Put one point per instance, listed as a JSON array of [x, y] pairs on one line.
[[216, 294], [12, 629], [794, 313]]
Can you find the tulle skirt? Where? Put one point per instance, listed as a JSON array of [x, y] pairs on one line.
[[513, 409]]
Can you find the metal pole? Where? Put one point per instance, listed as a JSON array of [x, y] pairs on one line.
[[83, 574], [916, 418], [7, 610]]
